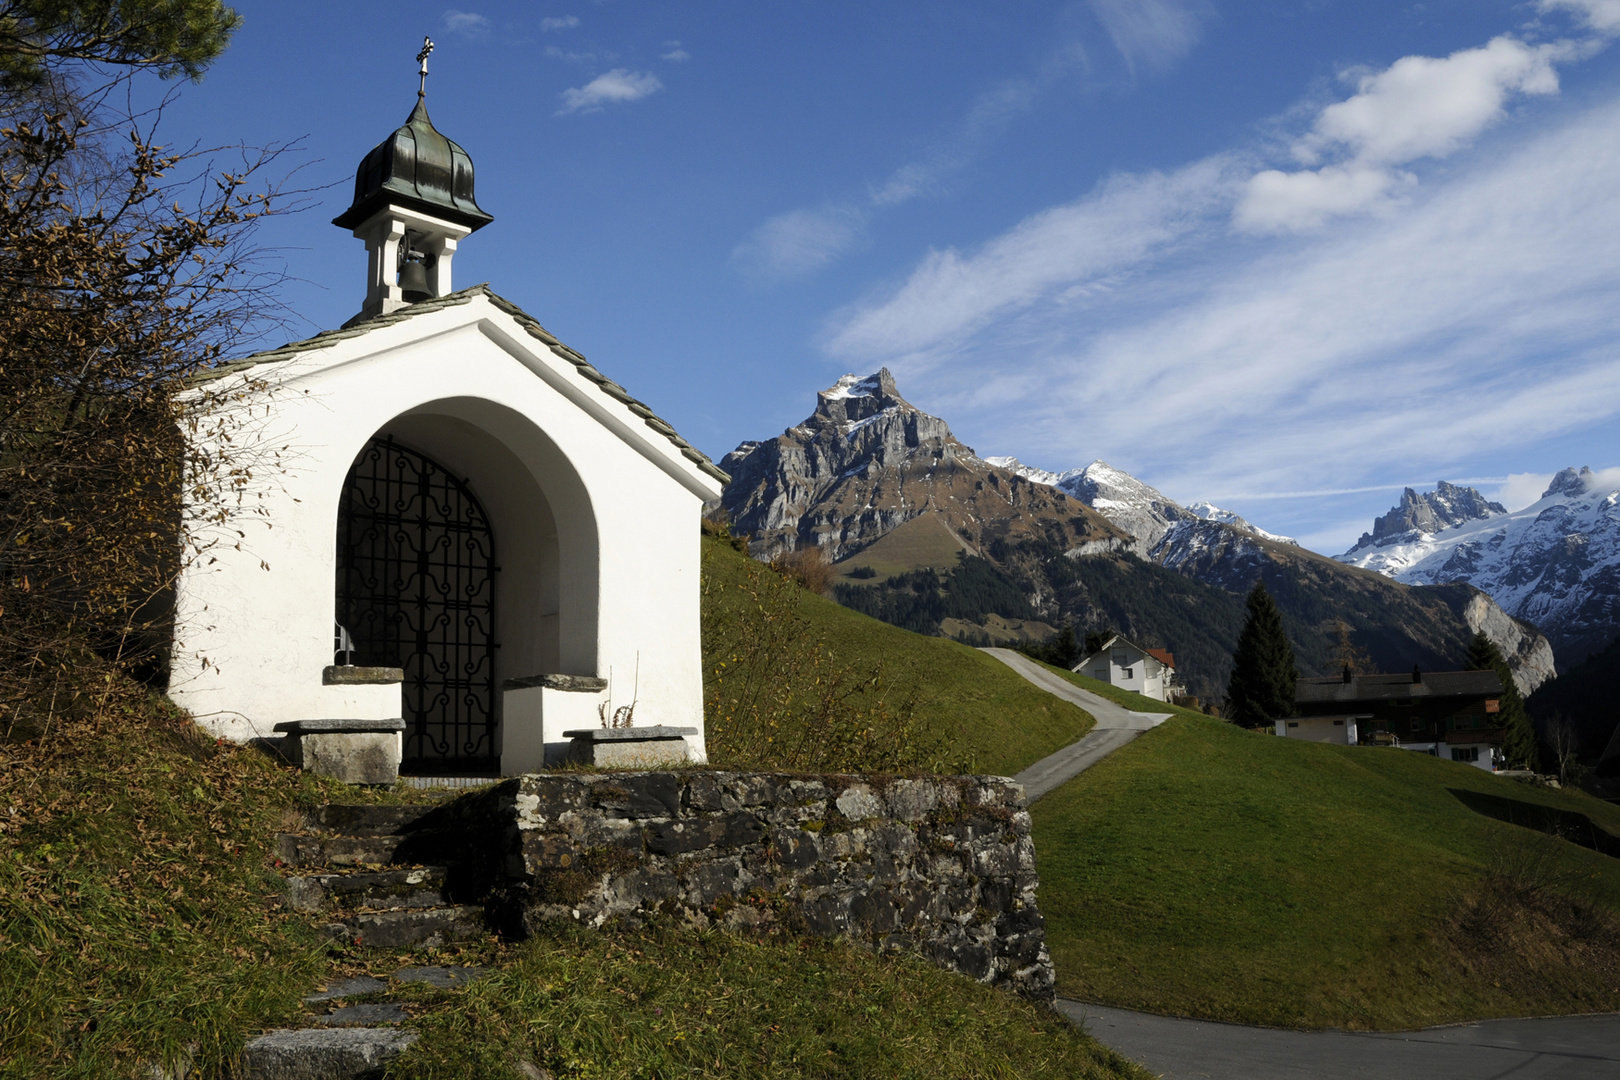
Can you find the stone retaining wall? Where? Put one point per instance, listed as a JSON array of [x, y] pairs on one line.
[[944, 866]]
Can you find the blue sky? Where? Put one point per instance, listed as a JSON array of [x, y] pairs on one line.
[[1284, 255]]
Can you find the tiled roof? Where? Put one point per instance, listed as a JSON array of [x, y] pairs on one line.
[[1163, 656], [1396, 687], [328, 338]]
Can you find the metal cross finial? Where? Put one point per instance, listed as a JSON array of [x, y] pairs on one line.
[[427, 50]]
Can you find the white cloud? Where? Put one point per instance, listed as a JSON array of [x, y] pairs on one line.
[[1519, 490], [1152, 33], [1600, 15], [800, 241], [674, 53], [1418, 107], [466, 23], [613, 88], [559, 22], [1276, 201], [1476, 317]]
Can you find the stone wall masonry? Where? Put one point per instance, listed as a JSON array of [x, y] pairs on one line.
[[944, 866]]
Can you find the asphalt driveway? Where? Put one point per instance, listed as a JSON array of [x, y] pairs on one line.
[[1557, 1048]]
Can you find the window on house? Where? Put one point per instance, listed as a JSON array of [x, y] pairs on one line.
[[1121, 657], [1338, 723], [1293, 723], [1130, 673], [1465, 753]]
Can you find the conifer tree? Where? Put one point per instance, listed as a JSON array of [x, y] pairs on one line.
[[1263, 673], [1519, 748]]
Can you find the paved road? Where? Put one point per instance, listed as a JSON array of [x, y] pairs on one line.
[[1116, 726], [1559, 1048]]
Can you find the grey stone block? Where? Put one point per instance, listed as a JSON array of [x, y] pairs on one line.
[[629, 748], [363, 984], [353, 751], [322, 1053], [444, 978], [346, 675], [354, 1016]]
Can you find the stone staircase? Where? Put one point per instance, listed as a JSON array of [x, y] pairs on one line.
[[382, 874], [383, 877]]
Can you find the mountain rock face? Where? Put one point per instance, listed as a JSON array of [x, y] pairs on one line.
[[867, 461], [1556, 563], [1445, 507]]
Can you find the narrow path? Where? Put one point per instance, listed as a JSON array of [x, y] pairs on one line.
[[1116, 726], [1556, 1048]]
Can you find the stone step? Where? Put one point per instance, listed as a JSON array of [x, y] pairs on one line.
[[427, 928], [323, 1053], [365, 820], [304, 849], [416, 887]]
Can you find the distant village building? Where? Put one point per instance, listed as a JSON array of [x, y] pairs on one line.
[[1449, 714], [1122, 663], [477, 533]]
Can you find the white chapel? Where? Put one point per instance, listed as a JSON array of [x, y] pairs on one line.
[[473, 529]]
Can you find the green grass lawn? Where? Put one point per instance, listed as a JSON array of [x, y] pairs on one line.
[[661, 1002], [1208, 871], [988, 710]]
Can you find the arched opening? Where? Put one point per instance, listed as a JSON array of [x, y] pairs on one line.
[[416, 589]]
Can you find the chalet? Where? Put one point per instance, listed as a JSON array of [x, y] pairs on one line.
[[1122, 663], [1449, 714]]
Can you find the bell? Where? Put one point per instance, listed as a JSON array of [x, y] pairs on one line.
[[413, 282]]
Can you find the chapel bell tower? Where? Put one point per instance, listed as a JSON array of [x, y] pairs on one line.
[[413, 202]]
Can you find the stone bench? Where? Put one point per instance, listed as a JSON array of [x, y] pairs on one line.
[[630, 748], [353, 751]]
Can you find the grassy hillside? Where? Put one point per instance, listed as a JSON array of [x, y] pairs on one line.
[[983, 707], [1206, 871]]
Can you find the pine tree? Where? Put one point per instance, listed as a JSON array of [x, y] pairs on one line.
[[1263, 673], [1519, 748]]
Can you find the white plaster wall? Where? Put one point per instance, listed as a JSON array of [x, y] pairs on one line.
[[1320, 729], [595, 518]]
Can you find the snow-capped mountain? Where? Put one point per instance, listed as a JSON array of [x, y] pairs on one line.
[[1140, 509], [1555, 563]]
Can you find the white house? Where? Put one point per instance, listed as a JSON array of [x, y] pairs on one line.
[[1121, 663], [472, 528]]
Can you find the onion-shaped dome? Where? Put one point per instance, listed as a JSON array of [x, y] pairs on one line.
[[418, 168]]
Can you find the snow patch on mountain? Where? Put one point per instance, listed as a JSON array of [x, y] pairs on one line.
[[1210, 512]]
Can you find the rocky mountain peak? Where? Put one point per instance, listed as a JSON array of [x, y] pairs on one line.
[[1569, 482], [859, 397], [1446, 507]]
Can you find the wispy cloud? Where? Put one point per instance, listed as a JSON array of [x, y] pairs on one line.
[[559, 22], [800, 241], [674, 53], [466, 23], [1153, 34], [615, 87], [985, 119]]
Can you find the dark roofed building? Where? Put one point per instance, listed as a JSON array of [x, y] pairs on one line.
[[1451, 714]]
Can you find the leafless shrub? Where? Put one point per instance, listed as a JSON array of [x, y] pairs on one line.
[[127, 270], [808, 566]]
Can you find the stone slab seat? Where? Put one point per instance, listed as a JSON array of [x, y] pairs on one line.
[[632, 747], [353, 751]]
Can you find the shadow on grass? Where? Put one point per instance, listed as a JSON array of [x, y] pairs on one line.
[[1575, 827]]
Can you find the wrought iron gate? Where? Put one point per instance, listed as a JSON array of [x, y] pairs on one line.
[[416, 590]]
